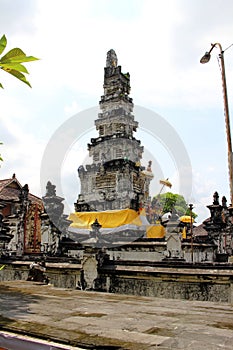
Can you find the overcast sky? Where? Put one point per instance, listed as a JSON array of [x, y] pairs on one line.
[[160, 44]]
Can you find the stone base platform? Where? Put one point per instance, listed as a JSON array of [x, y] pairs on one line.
[[91, 320]]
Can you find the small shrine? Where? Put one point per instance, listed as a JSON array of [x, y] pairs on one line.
[[20, 218], [219, 227], [30, 225]]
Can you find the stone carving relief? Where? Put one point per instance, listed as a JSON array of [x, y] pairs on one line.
[[89, 266]]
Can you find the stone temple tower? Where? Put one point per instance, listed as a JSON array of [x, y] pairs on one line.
[[115, 179]]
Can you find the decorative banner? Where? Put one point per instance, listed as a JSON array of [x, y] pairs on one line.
[[32, 229]]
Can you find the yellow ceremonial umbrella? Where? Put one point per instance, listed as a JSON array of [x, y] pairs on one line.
[[165, 183], [186, 219]]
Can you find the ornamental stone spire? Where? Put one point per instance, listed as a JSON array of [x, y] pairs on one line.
[[115, 179]]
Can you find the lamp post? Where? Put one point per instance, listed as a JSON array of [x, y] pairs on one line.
[[205, 59], [191, 230]]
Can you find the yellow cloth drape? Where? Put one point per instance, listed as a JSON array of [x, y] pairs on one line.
[[108, 219], [184, 234], [155, 231]]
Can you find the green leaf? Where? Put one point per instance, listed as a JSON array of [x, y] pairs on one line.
[[3, 43], [19, 76], [16, 56], [12, 61], [16, 66], [16, 52], [21, 59]]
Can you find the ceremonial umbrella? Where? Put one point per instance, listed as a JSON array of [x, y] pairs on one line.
[[186, 219]]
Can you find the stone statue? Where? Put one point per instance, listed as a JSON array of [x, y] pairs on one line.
[[111, 59]]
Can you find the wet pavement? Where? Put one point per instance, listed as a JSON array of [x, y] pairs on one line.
[[91, 320]]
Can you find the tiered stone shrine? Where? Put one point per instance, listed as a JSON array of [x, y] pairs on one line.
[[115, 179]]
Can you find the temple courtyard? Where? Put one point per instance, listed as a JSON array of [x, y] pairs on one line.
[[91, 320]]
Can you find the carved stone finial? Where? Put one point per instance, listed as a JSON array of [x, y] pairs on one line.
[[149, 166], [111, 59], [50, 189], [24, 192], [224, 202], [216, 198], [96, 225], [23, 196]]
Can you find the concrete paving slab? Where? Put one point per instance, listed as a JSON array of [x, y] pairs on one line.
[[91, 320]]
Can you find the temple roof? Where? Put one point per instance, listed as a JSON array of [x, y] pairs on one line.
[[199, 231], [10, 190]]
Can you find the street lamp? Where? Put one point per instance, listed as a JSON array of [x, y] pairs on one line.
[[191, 230], [205, 59]]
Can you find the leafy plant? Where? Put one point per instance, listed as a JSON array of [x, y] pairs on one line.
[[12, 61], [168, 201]]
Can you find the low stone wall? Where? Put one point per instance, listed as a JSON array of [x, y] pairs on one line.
[[172, 290], [14, 271], [61, 275], [176, 283], [64, 275], [156, 251], [138, 251]]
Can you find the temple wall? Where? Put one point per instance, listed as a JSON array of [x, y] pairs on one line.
[[14, 271], [173, 283], [148, 251], [180, 289], [156, 251], [61, 275], [209, 283]]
